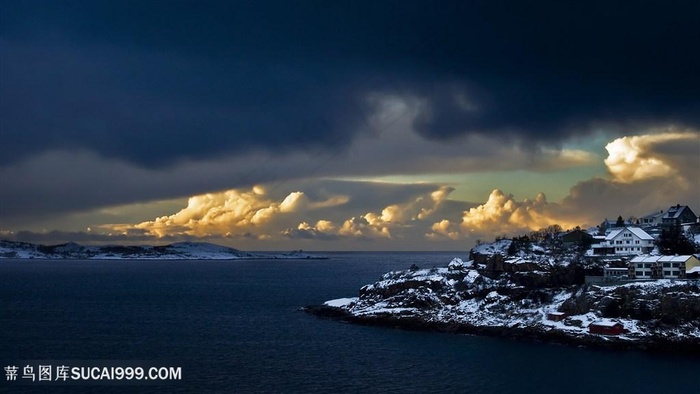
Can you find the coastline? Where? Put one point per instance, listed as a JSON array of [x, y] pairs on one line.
[[530, 334], [658, 316]]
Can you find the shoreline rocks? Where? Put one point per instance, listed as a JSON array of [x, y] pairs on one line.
[[663, 315], [553, 337]]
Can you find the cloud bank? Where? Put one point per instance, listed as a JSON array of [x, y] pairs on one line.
[[101, 109], [647, 172], [227, 214], [278, 77]]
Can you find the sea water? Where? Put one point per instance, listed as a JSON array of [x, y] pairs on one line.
[[235, 327]]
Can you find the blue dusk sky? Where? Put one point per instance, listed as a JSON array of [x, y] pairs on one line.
[[342, 125]]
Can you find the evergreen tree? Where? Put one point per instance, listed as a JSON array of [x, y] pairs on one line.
[[673, 241], [620, 222]]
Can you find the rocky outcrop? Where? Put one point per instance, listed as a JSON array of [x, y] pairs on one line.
[[675, 303], [533, 269], [658, 315]]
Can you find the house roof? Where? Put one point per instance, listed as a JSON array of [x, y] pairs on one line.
[[605, 323], [557, 313], [575, 231], [638, 232], [612, 223], [675, 258], [644, 259], [676, 211], [662, 259], [653, 215], [614, 233]]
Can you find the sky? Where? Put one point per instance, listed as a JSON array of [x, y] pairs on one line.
[[363, 125]]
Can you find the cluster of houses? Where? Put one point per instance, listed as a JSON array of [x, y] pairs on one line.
[[628, 246], [656, 267]]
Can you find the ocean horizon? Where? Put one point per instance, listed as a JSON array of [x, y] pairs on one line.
[[236, 326]]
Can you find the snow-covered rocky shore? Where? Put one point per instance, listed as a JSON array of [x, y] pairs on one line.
[[658, 315]]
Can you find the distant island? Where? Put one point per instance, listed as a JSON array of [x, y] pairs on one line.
[[552, 286], [175, 251]]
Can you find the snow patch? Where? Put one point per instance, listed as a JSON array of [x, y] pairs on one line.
[[341, 302]]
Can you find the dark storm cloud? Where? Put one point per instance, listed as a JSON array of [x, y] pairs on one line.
[[157, 82]]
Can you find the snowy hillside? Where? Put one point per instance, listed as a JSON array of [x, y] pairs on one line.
[[460, 299]]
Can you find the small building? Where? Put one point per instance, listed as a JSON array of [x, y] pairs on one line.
[[608, 225], [651, 220], [576, 237], [556, 316], [644, 267], [679, 214], [606, 328], [598, 238], [615, 273], [662, 267]]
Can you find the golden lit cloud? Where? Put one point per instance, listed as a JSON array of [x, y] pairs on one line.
[[635, 158], [646, 172], [502, 214], [377, 225], [227, 213], [444, 228], [366, 226]]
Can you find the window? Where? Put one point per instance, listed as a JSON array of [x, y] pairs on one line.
[[637, 242], [676, 273], [667, 273], [667, 265], [639, 273]]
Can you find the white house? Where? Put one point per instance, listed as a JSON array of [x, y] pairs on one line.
[[625, 241], [657, 267], [652, 219]]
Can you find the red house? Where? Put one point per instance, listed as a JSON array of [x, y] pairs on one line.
[[556, 316], [606, 328]]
